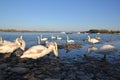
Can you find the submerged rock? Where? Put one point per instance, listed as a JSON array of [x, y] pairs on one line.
[[3, 66], [70, 46], [19, 70]]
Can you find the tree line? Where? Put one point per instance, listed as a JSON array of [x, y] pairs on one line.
[[14, 30], [90, 31], [104, 31]]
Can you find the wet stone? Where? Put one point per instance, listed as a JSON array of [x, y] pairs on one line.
[[33, 78], [21, 65], [19, 70], [3, 66], [51, 79], [58, 69], [70, 46]]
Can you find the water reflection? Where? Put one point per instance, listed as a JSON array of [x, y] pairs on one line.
[[104, 49]]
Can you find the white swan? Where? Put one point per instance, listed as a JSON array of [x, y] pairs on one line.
[[70, 41], [40, 51], [43, 39], [78, 32], [105, 49], [1, 41], [59, 38], [9, 47], [97, 37], [92, 40], [53, 37], [39, 40]]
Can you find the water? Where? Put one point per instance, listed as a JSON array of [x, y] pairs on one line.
[[70, 66], [31, 40]]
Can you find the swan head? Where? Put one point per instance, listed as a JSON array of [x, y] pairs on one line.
[[88, 37], [21, 43], [53, 47]]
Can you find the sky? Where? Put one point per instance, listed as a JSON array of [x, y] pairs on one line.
[[60, 15]]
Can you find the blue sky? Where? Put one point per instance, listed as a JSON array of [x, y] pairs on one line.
[[65, 15]]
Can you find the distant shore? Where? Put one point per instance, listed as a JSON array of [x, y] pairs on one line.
[[14, 30], [90, 31]]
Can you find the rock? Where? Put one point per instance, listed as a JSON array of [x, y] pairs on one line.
[[3, 66], [19, 70], [1, 75], [21, 65], [51, 79], [5, 55], [33, 78], [70, 46], [17, 53]]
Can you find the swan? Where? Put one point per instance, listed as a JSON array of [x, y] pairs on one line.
[[98, 33], [105, 49], [1, 41], [9, 47], [39, 41], [59, 38], [78, 32], [63, 32], [53, 37], [92, 40], [40, 51], [97, 37], [43, 39], [70, 41]]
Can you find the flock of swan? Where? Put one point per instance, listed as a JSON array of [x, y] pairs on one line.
[[104, 49], [9, 47], [33, 52], [45, 40], [39, 50]]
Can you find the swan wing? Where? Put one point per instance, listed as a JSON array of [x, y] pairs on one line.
[[106, 49], [4, 49], [35, 52], [7, 42], [94, 40], [35, 49], [8, 48]]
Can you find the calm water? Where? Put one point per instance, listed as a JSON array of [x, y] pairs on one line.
[[31, 40]]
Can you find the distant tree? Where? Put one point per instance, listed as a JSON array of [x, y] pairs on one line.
[[93, 31]]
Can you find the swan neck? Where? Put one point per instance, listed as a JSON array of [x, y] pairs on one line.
[[38, 40], [55, 49], [41, 36], [21, 44], [88, 37], [67, 38]]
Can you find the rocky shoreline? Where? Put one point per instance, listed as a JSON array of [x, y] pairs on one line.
[[57, 69], [51, 68]]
